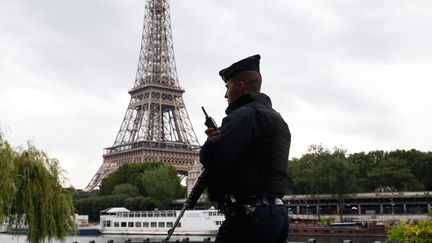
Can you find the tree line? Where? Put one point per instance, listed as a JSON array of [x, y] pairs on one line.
[[324, 171], [137, 186], [321, 170]]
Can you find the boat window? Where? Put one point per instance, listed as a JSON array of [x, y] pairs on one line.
[[130, 224], [107, 223], [156, 214], [146, 224], [123, 224], [125, 215], [153, 224], [131, 215], [214, 213], [116, 224], [150, 214], [161, 225], [163, 214], [170, 214], [137, 224], [169, 224]]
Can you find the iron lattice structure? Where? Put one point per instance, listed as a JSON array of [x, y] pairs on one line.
[[156, 126]]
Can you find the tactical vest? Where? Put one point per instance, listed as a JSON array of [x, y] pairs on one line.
[[264, 169]]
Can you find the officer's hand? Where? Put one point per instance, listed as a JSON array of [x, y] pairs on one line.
[[211, 132]]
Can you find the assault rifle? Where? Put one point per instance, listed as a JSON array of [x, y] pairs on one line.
[[199, 186]]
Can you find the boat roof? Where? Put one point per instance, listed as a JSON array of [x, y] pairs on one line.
[[115, 210]]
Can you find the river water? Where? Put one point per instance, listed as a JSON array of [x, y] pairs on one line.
[[7, 238]]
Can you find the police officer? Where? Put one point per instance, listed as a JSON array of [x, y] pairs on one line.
[[247, 160]]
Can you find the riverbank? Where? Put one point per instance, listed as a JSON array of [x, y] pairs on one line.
[[8, 238]]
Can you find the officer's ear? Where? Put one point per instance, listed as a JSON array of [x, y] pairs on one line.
[[241, 85]]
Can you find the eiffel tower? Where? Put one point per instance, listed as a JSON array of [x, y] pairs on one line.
[[156, 126]]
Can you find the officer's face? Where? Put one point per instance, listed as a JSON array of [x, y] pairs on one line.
[[233, 90]]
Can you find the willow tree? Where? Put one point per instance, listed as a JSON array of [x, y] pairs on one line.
[[31, 193]]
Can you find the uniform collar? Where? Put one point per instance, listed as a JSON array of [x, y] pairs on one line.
[[248, 98]]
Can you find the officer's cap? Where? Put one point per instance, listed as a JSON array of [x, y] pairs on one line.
[[248, 64]]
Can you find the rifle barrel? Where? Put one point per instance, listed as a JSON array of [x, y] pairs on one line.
[[171, 231]]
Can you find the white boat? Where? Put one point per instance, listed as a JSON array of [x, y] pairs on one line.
[[158, 222]]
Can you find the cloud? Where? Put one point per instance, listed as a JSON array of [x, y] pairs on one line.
[[351, 73]]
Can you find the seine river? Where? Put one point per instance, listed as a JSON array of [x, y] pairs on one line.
[[7, 238]]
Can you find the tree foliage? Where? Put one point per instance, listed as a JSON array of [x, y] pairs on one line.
[[394, 174], [162, 185], [92, 205], [126, 189], [128, 173], [419, 163], [141, 186], [31, 193], [364, 163], [8, 160], [321, 170], [418, 231]]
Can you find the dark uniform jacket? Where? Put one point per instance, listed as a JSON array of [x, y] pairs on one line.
[[250, 156]]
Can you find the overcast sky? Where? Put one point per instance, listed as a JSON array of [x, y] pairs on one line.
[[342, 73]]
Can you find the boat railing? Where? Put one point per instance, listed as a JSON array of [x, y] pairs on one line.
[[145, 214]]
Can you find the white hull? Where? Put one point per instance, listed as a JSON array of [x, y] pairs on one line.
[[165, 232], [194, 222]]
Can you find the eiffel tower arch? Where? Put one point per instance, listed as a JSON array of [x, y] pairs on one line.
[[156, 126]]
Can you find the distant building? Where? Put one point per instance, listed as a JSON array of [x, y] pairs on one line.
[[379, 206]]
